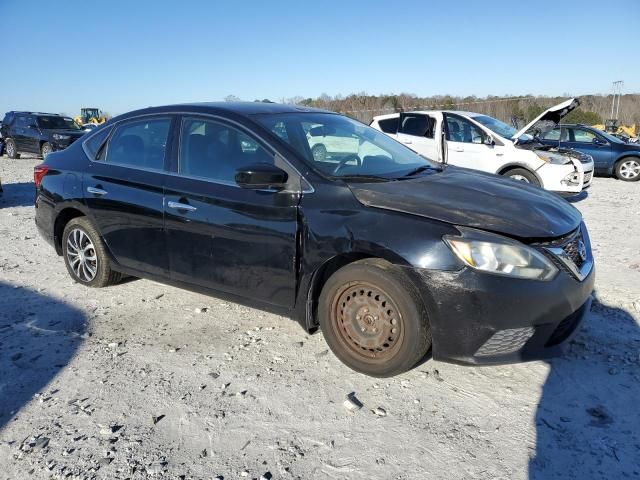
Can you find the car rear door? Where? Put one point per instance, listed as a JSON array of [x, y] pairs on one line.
[[589, 142], [417, 131], [123, 188], [220, 236]]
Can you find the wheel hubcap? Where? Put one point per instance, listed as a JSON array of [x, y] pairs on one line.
[[367, 321], [10, 149], [520, 178], [630, 169], [81, 255]]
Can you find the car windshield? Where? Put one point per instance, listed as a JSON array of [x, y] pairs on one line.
[[611, 138], [51, 121], [338, 146], [501, 128]]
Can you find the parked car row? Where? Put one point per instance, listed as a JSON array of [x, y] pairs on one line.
[[389, 253], [39, 133]]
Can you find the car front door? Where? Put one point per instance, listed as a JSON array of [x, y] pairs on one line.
[[466, 145], [235, 240], [591, 143], [417, 131], [123, 189]]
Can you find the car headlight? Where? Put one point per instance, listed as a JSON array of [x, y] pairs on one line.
[[59, 136], [553, 158], [501, 256]]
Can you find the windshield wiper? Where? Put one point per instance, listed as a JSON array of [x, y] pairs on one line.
[[364, 177], [420, 169]]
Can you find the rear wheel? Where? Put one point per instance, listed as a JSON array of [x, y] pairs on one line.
[[522, 175], [46, 149], [85, 256], [10, 147], [373, 319], [628, 169]]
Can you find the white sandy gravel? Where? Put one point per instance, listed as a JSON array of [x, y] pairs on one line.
[[133, 382]]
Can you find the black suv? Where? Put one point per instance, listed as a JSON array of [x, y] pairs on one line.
[[42, 133]]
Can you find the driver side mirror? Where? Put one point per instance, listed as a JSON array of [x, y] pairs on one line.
[[261, 176], [598, 141], [488, 140]]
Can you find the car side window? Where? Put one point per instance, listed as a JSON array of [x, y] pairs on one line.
[[21, 121], [140, 143], [389, 125], [417, 125], [583, 136], [462, 130], [94, 143], [215, 151]]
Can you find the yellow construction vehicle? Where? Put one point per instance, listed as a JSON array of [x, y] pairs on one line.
[[91, 115], [614, 128]]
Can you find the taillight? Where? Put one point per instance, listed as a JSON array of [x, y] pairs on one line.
[[38, 174]]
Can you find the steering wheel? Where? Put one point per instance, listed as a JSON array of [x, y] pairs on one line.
[[343, 162]]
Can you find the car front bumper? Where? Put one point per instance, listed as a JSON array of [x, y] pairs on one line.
[[482, 319], [570, 178]]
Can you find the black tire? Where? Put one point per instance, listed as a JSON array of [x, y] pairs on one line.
[[373, 319], [628, 169], [46, 149], [319, 152], [522, 175], [11, 148], [104, 275]]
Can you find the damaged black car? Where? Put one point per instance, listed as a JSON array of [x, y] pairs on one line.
[[389, 254]]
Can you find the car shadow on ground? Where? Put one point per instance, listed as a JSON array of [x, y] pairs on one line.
[[38, 337], [17, 195], [588, 417]]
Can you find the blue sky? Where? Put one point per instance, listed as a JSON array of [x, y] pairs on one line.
[[120, 55]]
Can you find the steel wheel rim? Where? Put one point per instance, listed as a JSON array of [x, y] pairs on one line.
[[367, 322], [46, 151], [630, 169], [81, 255], [520, 178]]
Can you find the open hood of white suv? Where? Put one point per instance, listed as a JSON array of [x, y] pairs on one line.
[[548, 119]]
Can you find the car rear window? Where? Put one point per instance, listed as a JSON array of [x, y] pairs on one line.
[[389, 125], [93, 145]]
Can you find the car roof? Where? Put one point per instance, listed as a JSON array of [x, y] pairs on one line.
[[428, 112], [238, 108]]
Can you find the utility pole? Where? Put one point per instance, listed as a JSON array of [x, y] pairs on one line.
[[617, 93]]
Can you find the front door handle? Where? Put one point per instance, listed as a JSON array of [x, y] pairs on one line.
[[407, 142], [181, 206], [458, 149], [96, 191]]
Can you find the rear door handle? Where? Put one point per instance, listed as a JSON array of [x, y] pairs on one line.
[[96, 191], [458, 149], [181, 206], [407, 142]]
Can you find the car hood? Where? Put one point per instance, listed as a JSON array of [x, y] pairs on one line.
[[478, 200], [548, 119]]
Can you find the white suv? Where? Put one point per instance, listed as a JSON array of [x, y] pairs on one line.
[[480, 142]]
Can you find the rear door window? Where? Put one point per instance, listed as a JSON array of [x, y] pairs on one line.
[[140, 143], [389, 125], [417, 125]]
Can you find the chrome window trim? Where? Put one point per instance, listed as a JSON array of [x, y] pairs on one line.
[[306, 189]]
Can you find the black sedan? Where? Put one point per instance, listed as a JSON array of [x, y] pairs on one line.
[[389, 254]]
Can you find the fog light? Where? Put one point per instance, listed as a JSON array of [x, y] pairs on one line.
[[505, 341]]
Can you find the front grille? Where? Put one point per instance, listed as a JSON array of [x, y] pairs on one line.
[[587, 176], [572, 249]]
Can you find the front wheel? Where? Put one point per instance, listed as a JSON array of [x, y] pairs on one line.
[[522, 175], [628, 169], [373, 319], [46, 149], [85, 256], [12, 150]]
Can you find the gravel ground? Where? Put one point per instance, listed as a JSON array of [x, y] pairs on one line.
[[145, 380]]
